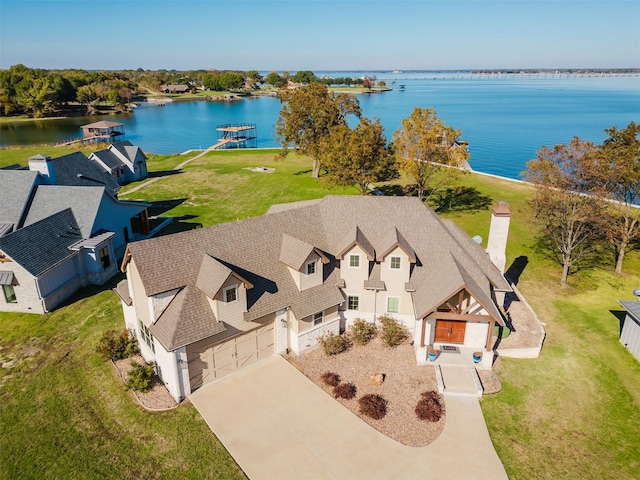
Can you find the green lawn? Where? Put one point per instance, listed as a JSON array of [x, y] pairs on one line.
[[571, 414]]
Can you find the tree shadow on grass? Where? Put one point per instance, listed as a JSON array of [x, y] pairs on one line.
[[303, 172], [393, 190], [460, 198]]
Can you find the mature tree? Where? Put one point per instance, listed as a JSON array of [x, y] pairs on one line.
[[307, 116], [620, 176], [39, 98], [423, 144], [569, 214], [87, 96], [368, 83], [304, 76], [275, 79], [357, 157]]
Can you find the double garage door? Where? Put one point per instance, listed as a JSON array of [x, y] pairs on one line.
[[210, 361]]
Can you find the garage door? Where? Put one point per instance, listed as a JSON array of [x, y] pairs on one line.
[[210, 361]]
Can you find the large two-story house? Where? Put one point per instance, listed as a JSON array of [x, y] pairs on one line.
[[207, 302], [61, 228]]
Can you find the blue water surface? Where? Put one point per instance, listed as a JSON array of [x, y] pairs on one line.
[[505, 118]]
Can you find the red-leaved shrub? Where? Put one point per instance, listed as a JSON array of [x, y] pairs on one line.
[[373, 406]]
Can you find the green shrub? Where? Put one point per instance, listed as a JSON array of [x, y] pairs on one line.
[[334, 344], [373, 406], [140, 377], [117, 344], [393, 332], [345, 390], [362, 332], [429, 407], [331, 379]]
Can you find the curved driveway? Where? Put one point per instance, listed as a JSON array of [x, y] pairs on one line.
[[277, 424]]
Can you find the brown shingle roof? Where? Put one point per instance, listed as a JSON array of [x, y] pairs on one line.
[[393, 240], [252, 249], [294, 252], [352, 239], [187, 319]]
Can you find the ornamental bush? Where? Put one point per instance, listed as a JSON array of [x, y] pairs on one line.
[[429, 407], [362, 332], [373, 406], [345, 390], [331, 379], [334, 344], [140, 377], [117, 344], [393, 332]]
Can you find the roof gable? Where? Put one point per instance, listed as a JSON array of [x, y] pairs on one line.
[[76, 169], [295, 252], [395, 240], [353, 238], [43, 244], [187, 319]]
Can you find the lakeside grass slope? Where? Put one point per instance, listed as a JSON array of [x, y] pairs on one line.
[[571, 414]]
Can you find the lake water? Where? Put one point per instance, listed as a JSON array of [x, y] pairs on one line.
[[505, 118]]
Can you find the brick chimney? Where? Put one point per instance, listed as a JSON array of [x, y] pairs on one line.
[[498, 233]]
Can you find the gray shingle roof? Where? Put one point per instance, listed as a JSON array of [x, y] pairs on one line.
[[76, 169], [253, 247], [632, 307], [15, 191], [109, 158], [43, 244], [393, 240], [83, 201], [129, 150]]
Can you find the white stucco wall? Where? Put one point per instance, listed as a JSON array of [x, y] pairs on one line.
[[168, 370], [309, 339]]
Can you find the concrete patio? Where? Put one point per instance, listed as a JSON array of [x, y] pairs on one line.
[[276, 423]]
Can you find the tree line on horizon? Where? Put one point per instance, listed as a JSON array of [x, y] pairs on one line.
[[587, 195], [39, 92]]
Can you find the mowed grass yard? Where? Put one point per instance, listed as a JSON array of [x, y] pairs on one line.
[[571, 414]]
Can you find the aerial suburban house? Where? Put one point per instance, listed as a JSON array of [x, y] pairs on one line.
[[61, 230], [630, 334], [174, 88], [124, 161], [207, 302]]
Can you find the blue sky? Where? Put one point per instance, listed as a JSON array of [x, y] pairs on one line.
[[320, 35]]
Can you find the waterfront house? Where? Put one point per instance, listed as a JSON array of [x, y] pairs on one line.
[[174, 88], [55, 239], [207, 302], [124, 161]]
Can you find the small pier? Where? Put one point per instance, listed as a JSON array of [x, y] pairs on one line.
[[239, 135]]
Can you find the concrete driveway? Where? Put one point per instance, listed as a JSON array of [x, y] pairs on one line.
[[277, 424]]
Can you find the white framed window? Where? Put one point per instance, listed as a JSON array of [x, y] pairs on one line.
[[395, 263], [230, 294], [393, 304], [310, 267], [9, 294], [317, 318], [354, 261], [146, 336], [353, 302]]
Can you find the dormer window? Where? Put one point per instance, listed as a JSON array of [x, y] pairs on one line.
[[354, 261], [310, 267], [230, 294], [395, 263]]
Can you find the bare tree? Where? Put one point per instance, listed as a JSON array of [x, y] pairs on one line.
[[565, 207]]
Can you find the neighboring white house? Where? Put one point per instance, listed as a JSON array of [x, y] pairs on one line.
[[124, 161], [630, 335], [55, 239], [207, 302]]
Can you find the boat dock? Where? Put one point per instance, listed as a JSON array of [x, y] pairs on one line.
[[238, 135]]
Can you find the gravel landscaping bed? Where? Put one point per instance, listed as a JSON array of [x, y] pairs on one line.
[[403, 384], [158, 398]]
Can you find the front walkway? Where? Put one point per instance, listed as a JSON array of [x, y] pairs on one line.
[[276, 423]]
